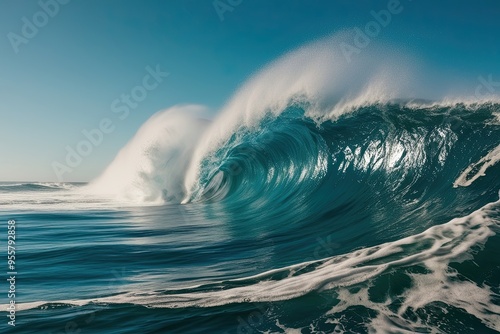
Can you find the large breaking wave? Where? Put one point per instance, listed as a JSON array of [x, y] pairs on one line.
[[314, 145], [304, 123]]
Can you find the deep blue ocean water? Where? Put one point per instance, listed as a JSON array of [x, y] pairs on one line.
[[364, 223]]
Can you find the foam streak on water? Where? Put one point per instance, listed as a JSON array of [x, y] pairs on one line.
[[478, 169]]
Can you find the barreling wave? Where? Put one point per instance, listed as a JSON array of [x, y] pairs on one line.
[[313, 142], [403, 148], [386, 165], [304, 123], [317, 79]]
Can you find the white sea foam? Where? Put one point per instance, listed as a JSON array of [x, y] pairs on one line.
[[151, 167], [490, 159], [67, 198], [149, 170]]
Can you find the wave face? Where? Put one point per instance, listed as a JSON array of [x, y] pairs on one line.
[[324, 198], [381, 170]]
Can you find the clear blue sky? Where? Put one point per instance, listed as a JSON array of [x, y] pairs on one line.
[[64, 79]]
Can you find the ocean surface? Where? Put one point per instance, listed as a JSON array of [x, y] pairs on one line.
[[289, 213]]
